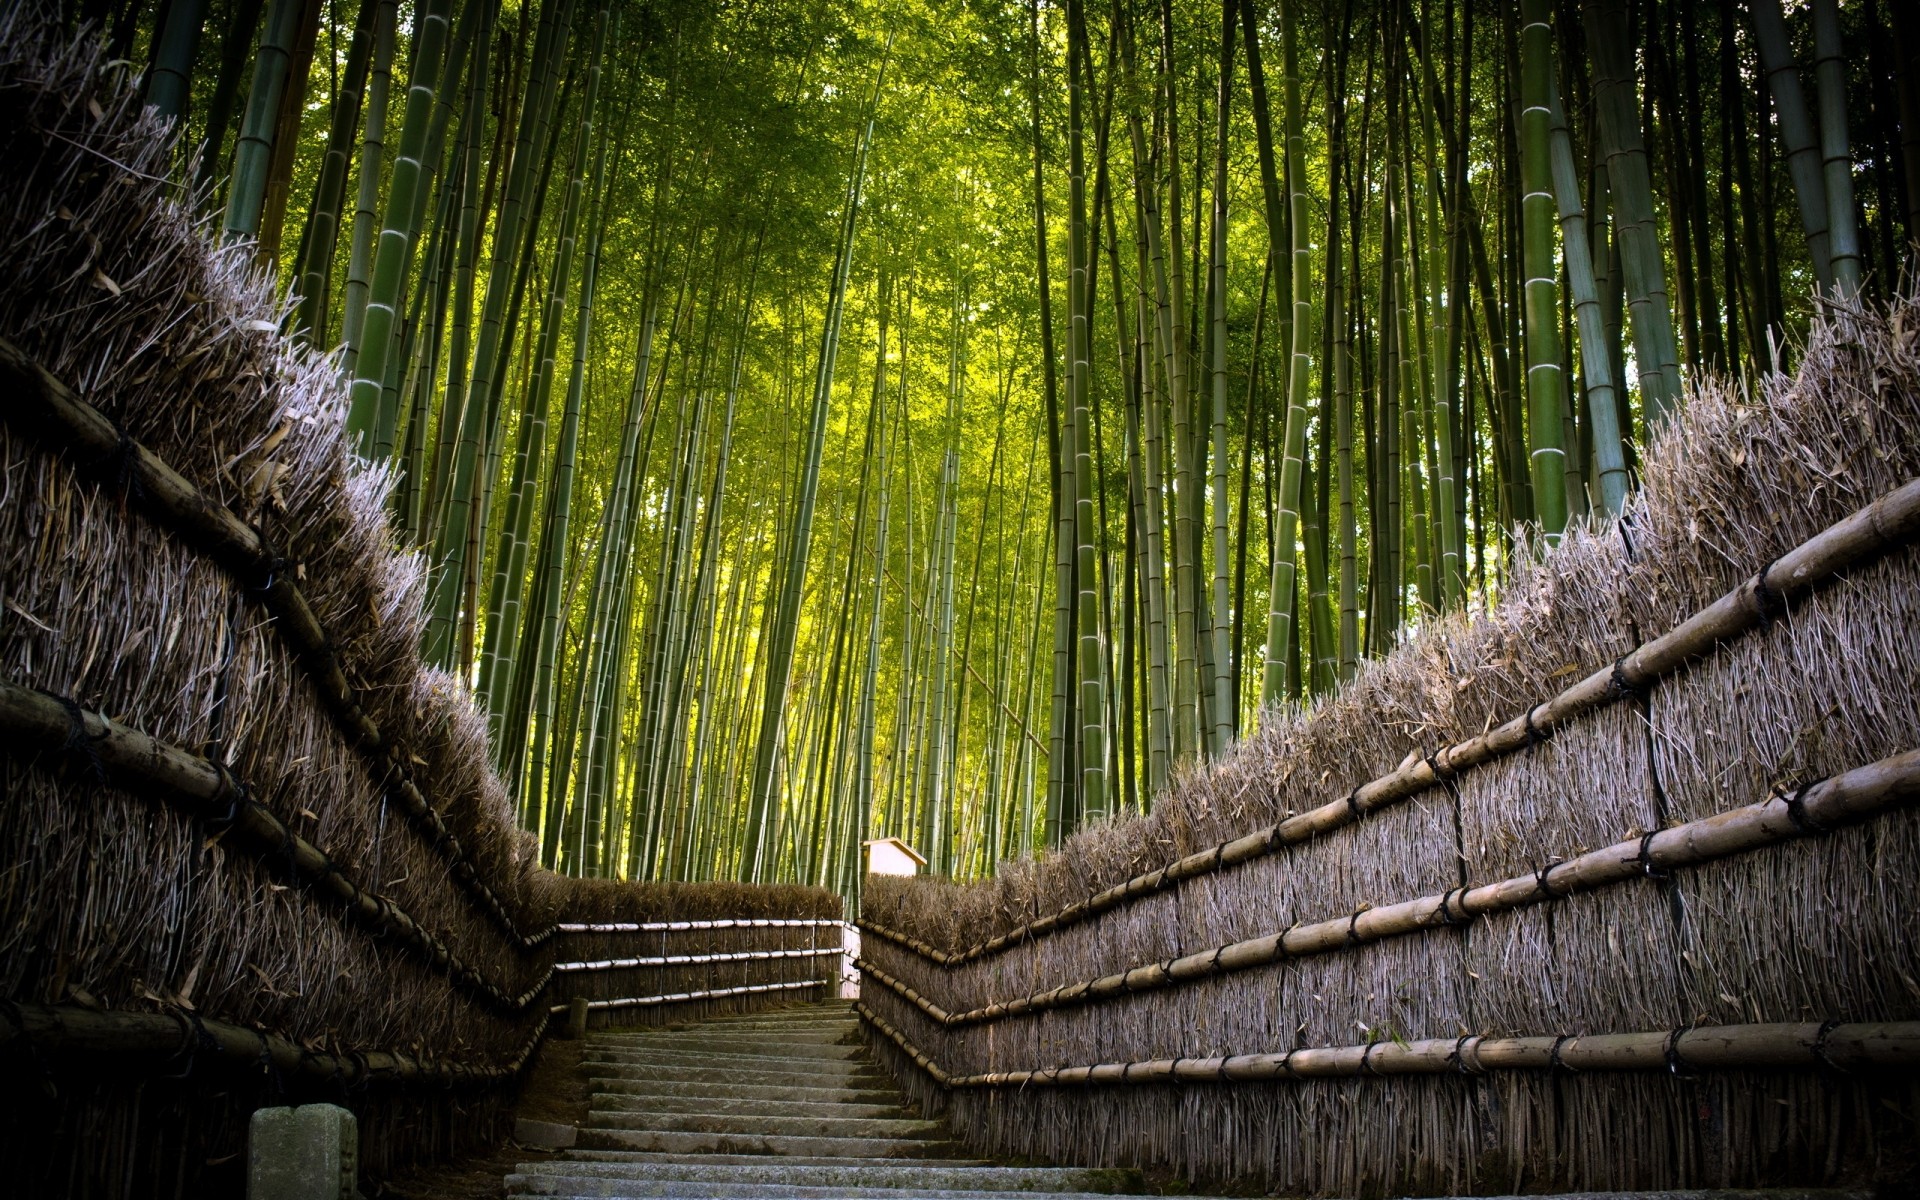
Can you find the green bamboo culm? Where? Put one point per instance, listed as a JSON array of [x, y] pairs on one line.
[[508, 588], [1797, 134], [756, 846], [313, 272], [253, 152], [1284, 589], [1596, 361], [410, 177], [1546, 389], [169, 82], [373, 139], [455, 508], [1617, 114], [1830, 82]]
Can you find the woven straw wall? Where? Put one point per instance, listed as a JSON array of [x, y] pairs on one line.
[[1818, 929]]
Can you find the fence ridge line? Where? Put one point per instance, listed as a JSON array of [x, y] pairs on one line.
[[202, 789], [1868, 533], [1828, 1045], [1847, 798], [45, 405], [179, 1033]]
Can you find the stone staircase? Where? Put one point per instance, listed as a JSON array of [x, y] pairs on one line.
[[778, 1104]]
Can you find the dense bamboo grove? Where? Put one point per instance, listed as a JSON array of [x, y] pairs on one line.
[[950, 419]]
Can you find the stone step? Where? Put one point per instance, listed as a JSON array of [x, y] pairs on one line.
[[805, 1035], [757, 1160], [563, 1188], [644, 1085], [735, 1105], [803, 1045], [684, 1142], [663, 1056], [944, 1177], [795, 1126], [868, 1078]]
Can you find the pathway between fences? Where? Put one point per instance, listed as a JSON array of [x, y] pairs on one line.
[[782, 1103]]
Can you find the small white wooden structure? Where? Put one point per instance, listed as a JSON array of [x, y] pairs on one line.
[[891, 856]]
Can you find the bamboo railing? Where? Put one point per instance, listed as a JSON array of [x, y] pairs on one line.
[[1880, 1045], [1815, 809], [1868, 533]]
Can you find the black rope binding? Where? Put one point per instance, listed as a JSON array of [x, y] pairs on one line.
[[1366, 1060], [1645, 858], [1447, 916], [1353, 924], [1534, 736], [1354, 811], [1543, 878], [1771, 602], [1676, 1065], [79, 741], [1622, 687], [1820, 1046], [1553, 1056], [1797, 812], [1458, 1055]]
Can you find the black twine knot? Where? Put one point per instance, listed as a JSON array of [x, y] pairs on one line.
[[1771, 601], [122, 463], [1353, 927], [1645, 857], [1534, 736], [1553, 1056], [1820, 1046], [1354, 811], [1447, 915], [1620, 685], [269, 567], [1543, 877], [1366, 1060], [79, 741], [1803, 820], [1457, 1057], [1675, 1064]]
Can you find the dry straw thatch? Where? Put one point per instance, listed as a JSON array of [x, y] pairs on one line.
[[1814, 929], [126, 910]]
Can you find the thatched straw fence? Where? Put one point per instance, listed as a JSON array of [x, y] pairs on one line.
[[253, 849], [1614, 886]]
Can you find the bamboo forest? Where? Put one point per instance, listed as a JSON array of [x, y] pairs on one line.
[[958, 420]]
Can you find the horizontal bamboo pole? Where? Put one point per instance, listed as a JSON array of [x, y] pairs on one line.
[[693, 960], [178, 1040], [48, 408], [684, 926], [208, 792], [1871, 1045], [749, 989], [1869, 533], [1848, 798]]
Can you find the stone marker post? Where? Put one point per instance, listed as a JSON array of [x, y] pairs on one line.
[[307, 1153]]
